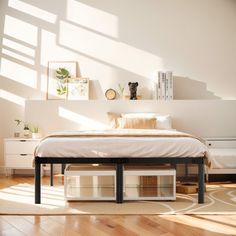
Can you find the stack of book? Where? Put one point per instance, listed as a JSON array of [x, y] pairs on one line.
[[163, 86]]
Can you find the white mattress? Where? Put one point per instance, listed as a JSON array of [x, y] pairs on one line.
[[121, 147], [223, 158]]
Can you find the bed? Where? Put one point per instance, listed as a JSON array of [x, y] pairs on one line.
[[121, 146]]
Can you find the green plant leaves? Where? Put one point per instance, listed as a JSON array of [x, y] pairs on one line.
[[62, 89], [62, 73]]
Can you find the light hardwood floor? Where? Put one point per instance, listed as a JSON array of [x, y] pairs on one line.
[[164, 225]]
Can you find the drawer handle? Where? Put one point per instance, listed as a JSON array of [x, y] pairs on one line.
[[22, 140], [23, 154]]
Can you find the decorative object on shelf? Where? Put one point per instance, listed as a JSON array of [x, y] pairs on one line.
[[133, 90], [59, 72], [26, 131], [163, 85], [35, 132], [110, 94], [78, 88], [17, 131], [121, 89], [139, 97]]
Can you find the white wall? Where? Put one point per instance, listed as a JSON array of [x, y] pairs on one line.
[[210, 118], [117, 42]]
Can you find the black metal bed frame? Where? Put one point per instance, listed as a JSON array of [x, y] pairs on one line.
[[119, 162]]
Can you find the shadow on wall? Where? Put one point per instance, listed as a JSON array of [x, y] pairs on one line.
[[185, 88]]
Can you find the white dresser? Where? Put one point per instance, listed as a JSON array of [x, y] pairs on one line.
[[19, 153]]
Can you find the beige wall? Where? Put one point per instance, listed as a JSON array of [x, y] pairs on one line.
[[117, 42]]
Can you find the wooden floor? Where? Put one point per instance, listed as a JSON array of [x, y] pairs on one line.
[[164, 225]]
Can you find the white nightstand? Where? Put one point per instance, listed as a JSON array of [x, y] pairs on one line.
[[19, 153], [222, 152]]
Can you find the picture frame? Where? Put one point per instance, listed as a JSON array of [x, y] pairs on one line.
[[78, 88], [58, 74]]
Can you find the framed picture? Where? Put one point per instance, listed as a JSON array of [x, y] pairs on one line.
[[78, 88], [59, 73]]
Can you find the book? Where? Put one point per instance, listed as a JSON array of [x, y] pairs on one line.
[[163, 86], [166, 86], [169, 80], [159, 86]]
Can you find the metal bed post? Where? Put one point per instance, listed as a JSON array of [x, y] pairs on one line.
[[51, 174], [119, 183], [185, 170], [201, 182], [63, 166], [37, 181]]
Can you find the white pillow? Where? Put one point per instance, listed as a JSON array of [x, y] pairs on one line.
[[163, 121], [138, 115]]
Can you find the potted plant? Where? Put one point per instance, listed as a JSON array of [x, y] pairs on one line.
[[121, 89], [35, 132]]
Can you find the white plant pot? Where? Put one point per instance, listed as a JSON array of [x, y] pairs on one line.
[[36, 135]]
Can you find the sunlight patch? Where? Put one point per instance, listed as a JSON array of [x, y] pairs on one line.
[[32, 10], [21, 30], [92, 18]]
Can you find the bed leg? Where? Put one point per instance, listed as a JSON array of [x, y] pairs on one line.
[[201, 183], [37, 183], [119, 183], [186, 170], [63, 166], [51, 174]]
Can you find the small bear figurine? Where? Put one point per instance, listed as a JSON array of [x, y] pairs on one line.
[[133, 90]]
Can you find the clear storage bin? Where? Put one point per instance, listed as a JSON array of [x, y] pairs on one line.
[[89, 182], [149, 183]]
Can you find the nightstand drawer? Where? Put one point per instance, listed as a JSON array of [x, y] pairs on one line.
[[19, 161], [20, 147], [224, 143]]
